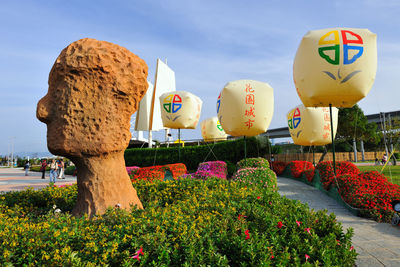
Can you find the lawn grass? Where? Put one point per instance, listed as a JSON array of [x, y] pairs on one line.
[[389, 171]]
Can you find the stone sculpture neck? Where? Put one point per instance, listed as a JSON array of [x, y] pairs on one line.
[[102, 180]]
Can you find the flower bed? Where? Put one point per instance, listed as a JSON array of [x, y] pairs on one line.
[[297, 167], [158, 172], [325, 169], [371, 192], [211, 169], [132, 170], [185, 223], [177, 169], [278, 167], [150, 173]]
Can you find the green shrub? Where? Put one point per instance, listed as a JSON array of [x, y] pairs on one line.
[[191, 156], [185, 222], [70, 170], [253, 163], [37, 168]]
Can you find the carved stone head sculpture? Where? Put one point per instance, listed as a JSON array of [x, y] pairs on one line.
[[94, 88]]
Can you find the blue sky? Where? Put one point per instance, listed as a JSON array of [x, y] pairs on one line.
[[207, 44]]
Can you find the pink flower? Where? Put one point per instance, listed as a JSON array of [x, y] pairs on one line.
[[308, 230], [140, 251], [351, 248], [307, 257], [280, 224], [247, 234], [298, 223]]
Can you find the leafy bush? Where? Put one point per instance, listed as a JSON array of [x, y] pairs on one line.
[[371, 192], [278, 166], [253, 163], [325, 169], [192, 156], [38, 202], [297, 167], [185, 222]]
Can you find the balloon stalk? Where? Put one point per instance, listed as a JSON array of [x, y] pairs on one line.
[[179, 145], [333, 140], [245, 148], [313, 155]]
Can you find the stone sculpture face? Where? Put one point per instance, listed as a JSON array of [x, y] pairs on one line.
[[94, 88]]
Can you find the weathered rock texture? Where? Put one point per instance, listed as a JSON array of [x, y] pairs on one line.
[[94, 88]]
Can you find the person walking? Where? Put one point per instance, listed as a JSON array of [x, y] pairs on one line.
[[61, 169], [26, 168], [43, 168], [53, 171]]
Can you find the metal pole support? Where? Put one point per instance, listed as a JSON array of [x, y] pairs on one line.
[[333, 140]]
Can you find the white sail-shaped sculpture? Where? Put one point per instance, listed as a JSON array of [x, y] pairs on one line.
[[148, 116], [143, 113]]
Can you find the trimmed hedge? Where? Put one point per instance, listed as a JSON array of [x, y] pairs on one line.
[[191, 156]]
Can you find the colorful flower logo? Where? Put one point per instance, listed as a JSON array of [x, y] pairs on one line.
[[331, 42], [172, 103], [294, 118], [218, 102], [219, 127]]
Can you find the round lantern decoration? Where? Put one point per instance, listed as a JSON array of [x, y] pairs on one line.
[[211, 130], [180, 110], [335, 66], [311, 126], [245, 107]]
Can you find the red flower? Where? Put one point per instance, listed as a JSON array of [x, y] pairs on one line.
[[308, 230], [246, 232], [307, 257], [298, 223], [297, 168], [258, 197], [280, 224]]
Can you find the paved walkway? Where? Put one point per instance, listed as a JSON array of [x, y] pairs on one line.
[[13, 179], [378, 244]]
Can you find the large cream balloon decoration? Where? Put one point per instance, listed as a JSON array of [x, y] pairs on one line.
[[180, 110], [335, 66], [245, 107], [211, 130], [311, 126]]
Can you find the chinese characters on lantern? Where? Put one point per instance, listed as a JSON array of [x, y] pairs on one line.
[[250, 110], [327, 123]]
